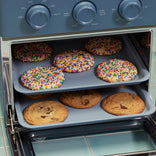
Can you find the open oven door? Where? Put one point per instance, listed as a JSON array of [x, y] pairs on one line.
[[133, 137]]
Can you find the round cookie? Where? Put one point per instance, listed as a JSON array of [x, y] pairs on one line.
[[36, 96], [74, 61], [123, 103], [32, 52], [103, 45], [45, 112], [81, 99], [116, 70], [39, 78]]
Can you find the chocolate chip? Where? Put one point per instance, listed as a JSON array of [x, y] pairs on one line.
[[54, 119], [85, 102], [40, 107], [43, 116], [123, 107], [48, 109], [48, 112]]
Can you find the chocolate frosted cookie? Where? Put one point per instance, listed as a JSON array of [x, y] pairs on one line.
[[32, 52], [123, 103], [81, 99], [103, 45], [45, 112]]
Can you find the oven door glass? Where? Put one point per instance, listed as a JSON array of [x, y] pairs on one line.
[[97, 145], [133, 137]]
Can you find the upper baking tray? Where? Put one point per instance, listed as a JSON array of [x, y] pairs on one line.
[[86, 79], [94, 114]]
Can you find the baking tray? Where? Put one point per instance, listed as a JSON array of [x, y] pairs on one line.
[[86, 79], [94, 114]]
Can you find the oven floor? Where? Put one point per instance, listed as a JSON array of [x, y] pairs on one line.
[[96, 145]]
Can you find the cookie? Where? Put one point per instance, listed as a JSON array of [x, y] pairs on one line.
[[145, 40], [103, 45], [32, 52], [36, 96], [123, 104], [116, 70], [74, 61], [40, 77], [45, 112], [117, 86], [81, 99]]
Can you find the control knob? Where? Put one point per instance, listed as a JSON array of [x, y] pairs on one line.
[[38, 16], [130, 9], [84, 12]]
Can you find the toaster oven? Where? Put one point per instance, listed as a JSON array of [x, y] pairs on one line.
[[85, 132]]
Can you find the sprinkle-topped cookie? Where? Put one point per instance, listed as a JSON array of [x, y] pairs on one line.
[[74, 61], [40, 77], [103, 45], [32, 52], [116, 70]]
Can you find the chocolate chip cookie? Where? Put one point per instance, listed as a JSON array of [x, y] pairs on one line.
[[36, 96], [123, 103], [45, 112], [81, 99]]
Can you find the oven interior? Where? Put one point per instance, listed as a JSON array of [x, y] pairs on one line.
[[134, 50]]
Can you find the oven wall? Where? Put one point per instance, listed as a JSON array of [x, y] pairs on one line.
[[152, 81]]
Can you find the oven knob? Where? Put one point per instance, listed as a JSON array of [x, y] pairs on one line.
[[38, 16], [84, 13], [130, 9]]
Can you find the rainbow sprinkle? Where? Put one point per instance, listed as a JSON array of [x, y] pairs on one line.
[[116, 70], [74, 61], [103, 45], [32, 52], [39, 78]]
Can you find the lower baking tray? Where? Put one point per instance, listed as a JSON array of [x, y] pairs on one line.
[[86, 79], [95, 114]]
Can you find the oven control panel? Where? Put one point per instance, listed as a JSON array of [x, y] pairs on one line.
[[45, 17]]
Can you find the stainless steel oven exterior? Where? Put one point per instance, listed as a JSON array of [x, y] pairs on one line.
[[63, 22]]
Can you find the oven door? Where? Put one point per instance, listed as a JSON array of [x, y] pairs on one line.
[[131, 137]]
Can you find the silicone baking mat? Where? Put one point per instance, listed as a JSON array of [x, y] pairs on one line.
[[86, 79], [94, 114]]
